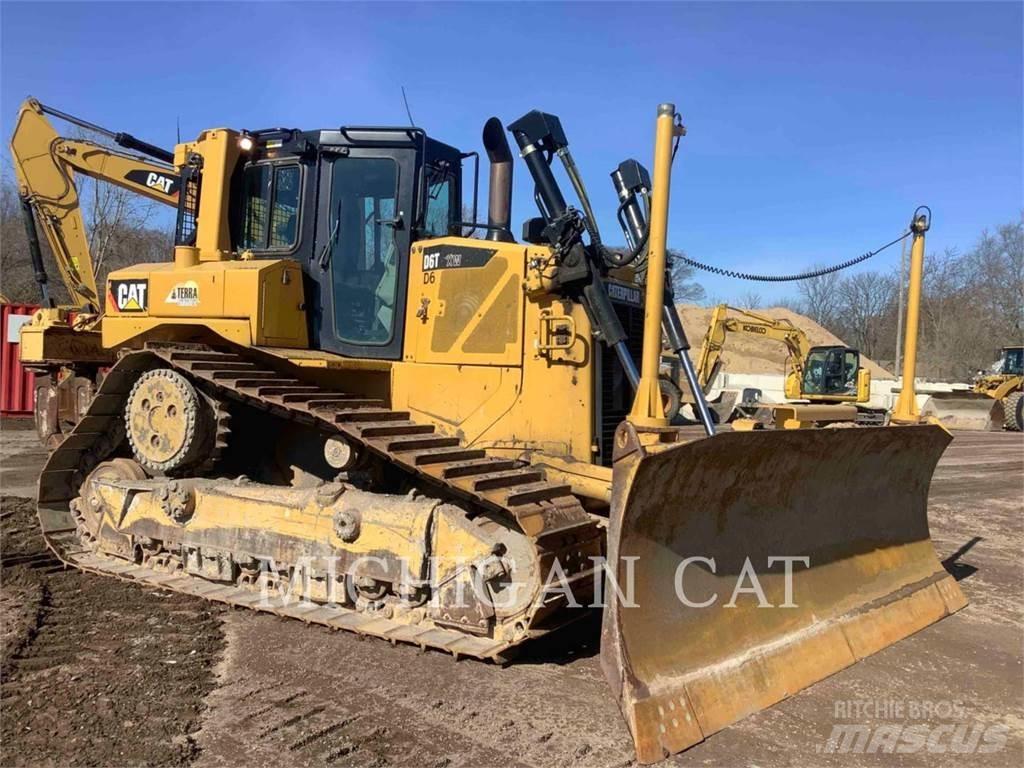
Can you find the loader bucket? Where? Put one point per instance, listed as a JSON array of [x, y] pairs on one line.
[[965, 410], [852, 501]]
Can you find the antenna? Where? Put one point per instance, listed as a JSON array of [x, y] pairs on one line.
[[177, 127], [404, 99]]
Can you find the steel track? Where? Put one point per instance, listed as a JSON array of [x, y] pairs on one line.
[[546, 512]]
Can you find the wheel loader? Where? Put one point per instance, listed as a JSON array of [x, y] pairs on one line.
[[995, 400], [333, 402]]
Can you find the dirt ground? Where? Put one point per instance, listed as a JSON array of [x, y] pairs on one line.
[[87, 677]]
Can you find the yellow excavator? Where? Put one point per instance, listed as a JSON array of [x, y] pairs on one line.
[[63, 344], [817, 375], [332, 404]]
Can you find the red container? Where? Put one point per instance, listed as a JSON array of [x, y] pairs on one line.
[[16, 384]]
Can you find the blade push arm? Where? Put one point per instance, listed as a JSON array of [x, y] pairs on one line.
[[45, 164]]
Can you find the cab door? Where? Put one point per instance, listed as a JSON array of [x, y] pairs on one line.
[[361, 255]]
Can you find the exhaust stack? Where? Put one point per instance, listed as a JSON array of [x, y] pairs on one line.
[[499, 190]]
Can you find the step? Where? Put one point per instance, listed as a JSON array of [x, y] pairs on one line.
[[285, 389], [535, 492], [223, 366], [443, 455], [419, 442], [328, 406], [507, 479], [468, 468], [369, 414], [262, 377], [393, 428], [315, 402], [329, 396], [206, 357]]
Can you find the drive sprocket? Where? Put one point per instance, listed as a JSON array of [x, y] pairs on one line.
[[170, 426]]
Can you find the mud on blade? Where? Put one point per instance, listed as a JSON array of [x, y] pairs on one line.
[[852, 501]]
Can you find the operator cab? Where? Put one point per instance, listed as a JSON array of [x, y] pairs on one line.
[[1012, 363], [347, 204], [831, 371]]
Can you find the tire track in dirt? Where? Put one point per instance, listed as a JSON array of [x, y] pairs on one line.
[[335, 699], [95, 671]]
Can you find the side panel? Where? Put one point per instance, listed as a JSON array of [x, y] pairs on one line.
[[466, 302], [246, 302], [485, 361]]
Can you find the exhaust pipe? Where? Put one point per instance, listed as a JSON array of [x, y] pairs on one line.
[[499, 190]]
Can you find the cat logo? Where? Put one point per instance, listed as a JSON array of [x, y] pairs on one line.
[[128, 295], [626, 294], [164, 183], [157, 181], [184, 294]]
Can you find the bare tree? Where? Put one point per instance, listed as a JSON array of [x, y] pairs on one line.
[[820, 298], [750, 300], [996, 269], [865, 298], [17, 277], [684, 287]]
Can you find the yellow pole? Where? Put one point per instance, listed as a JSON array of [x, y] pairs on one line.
[[906, 411], [648, 410]]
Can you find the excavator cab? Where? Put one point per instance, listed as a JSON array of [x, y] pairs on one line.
[[831, 371]]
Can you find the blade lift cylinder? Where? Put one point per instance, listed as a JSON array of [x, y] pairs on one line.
[[631, 180]]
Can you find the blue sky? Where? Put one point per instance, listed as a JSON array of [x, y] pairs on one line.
[[815, 129]]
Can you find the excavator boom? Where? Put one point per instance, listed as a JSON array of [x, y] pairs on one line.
[[46, 163]]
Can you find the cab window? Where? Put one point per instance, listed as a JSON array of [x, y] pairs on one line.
[[831, 372], [1013, 363], [364, 268], [271, 214], [441, 210]]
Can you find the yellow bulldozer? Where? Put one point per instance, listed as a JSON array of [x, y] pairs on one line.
[[334, 404]]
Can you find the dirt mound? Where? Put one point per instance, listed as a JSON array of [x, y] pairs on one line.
[[747, 354], [95, 671]]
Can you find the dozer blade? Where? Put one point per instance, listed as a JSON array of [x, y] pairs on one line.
[[852, 501], [965, 410]]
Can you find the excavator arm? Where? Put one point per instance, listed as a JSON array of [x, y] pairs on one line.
[[46, 163], [726, 319]]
